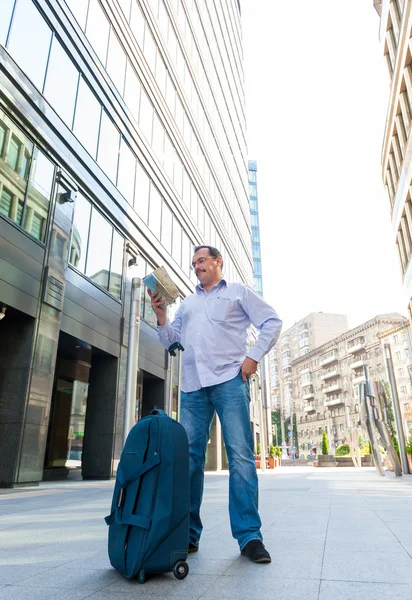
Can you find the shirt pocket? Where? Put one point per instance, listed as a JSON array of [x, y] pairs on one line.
[[220, 308]]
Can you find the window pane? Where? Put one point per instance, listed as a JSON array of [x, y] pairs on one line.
[[98, 254], [97, 30], [132, 92], [108, 153], [158, 137], [167, 227], [116, 62], [125, 6], [155, 212], [14, 168], [80, 233], [61, 83], [186, 253], [38, 197], [150, 50], [29, 41], [87, 118], [116, 267], [141, 192], [146, 115], [168, 156], [79, 10], [6, 8], [126, 173], [177, 241], [137, 23]]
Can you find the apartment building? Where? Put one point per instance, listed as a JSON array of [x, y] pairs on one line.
[[122, 135], [395, 33], [300, 339], [326, 380]]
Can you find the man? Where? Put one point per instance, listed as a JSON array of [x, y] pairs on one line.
[[212, 324]]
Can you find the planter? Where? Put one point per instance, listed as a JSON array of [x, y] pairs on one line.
[[271, 461], [326, 460], [409, 457], [257, 460]]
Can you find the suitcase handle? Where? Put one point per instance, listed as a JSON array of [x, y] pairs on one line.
[[173, 347]]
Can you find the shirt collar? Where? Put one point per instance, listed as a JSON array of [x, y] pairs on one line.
[[221, 282]]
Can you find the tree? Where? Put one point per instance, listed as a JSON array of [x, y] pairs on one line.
[[325, 443], [276, 421]]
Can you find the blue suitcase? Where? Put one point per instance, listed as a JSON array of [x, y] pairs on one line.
[[149, 518]]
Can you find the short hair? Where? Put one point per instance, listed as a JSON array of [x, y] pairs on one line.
[[214, 252]]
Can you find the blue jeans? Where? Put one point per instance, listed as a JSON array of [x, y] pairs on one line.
[[231, 401]]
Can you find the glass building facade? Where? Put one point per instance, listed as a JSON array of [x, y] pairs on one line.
[[122, 133], [254, 221]]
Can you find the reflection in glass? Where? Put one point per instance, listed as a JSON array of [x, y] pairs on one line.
[[116, 266], [87, 118], [155, 212], [97, 30], [108, 152], [15, 158], [126, 172], [79, 10], [80, 233], [6, 9], [38, 197], [167, 227], [141, 192], [29, 41], [61, 83], [98, 254]]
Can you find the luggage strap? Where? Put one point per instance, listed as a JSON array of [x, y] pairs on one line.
[[135, 520]]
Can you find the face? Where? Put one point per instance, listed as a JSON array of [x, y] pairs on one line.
[[208, 270]]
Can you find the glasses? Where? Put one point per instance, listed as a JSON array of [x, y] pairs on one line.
[[200, 261]]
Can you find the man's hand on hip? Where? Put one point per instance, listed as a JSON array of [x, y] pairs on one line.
[[249, 367]]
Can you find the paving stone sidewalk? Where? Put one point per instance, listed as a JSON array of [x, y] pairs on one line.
[[339, 534]]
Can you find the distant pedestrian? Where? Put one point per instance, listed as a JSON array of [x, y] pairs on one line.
[[212, 324]]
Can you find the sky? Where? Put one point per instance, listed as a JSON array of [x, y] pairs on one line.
[[317, 93]]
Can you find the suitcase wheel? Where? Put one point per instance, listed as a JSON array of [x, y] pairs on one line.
[[141, 576], [180, 569]]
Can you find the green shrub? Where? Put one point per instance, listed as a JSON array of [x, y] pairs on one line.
[[342, 450], [396, 446], [271, 450], [325, 443], [408, 445], [258, 449], [278, 451]]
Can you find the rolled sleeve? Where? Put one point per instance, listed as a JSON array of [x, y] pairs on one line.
[[266, 321]]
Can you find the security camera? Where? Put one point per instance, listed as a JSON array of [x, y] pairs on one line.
[[2, 312]]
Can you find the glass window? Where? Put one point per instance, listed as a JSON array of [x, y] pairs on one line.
[[166, 228], [132, 91], [14, 169], [177, 241], [257, 266], [254, 219], [127, 171], [137, 23], [29, 41], [6, 9], [158, 136], [178, 175], [108, 152], [38, 198], [170, 94], [161, 74], [255, 234], [256, 250], [116, 62], [146, 115], [80, 233], [98, 254], [155, 211], [150, 50], [168, 156], [125, 6], [116, 265], [141, 193], [61, 83], [87, 118], [186, 253], [79, 10], [97, 30]]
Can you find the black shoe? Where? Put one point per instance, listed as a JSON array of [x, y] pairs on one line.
[[192, 548], [256, 552]]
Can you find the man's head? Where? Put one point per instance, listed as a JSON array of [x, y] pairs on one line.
[[207, 263]]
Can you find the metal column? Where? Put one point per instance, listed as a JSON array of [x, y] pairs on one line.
[[132, 358]]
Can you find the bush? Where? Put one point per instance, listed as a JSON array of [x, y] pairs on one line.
[[258, 449], [408, 446], [271, 450], [396, 446], [278, 451], [342, 450], [325, 443]]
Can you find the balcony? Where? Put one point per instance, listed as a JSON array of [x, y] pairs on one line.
[[332, 388], [357, 380], [330, 375], [306, 381], [334, 402], [358, 347], [308, 396], [309, 408], [358, 363], [328, 359], [304, 371]]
